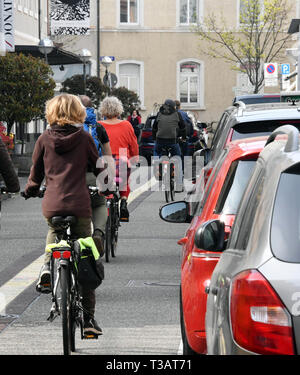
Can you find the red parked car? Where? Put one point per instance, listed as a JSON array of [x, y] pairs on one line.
[[218, 199]]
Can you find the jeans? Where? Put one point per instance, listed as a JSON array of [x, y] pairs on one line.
[[158, 149]]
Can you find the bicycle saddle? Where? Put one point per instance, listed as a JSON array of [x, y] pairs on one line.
[[59, 220]]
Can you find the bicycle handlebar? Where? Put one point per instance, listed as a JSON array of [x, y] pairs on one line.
[[40, 194]]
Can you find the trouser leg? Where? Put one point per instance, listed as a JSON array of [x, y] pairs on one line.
[[98, 202], [99, 217]]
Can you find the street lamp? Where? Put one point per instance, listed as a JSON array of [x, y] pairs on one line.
[[107, 61], [85, 56], [45, 47]]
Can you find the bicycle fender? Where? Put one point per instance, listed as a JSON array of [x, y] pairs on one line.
[[64, 263]]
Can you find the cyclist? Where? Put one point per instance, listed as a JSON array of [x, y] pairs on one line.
[[61, 155], [7, 170], [99, 210], [168, 126], [121, 136]]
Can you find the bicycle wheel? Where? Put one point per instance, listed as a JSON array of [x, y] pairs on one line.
[[115, 230], [76, 314], [73, 327], [66, 309], [108, 229]]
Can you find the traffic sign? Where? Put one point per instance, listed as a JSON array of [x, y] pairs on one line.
[[110, 80], [285, 68], [271, 74], [111, 57], [271, 70]]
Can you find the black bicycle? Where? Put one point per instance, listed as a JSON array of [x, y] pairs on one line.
[[65, 290], [112, 223], [167, 171]]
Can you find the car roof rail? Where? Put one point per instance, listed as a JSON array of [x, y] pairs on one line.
[[293, 137], [240, 105]]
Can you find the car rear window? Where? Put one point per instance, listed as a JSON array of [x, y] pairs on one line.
[[259, 128], [235, 183], [285, 227], [269, 99]]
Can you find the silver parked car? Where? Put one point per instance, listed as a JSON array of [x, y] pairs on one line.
[[253, 304]]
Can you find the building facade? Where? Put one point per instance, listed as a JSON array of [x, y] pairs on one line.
[[155, 51]]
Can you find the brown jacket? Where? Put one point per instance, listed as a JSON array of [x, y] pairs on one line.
[[61, 155], [7, 170]]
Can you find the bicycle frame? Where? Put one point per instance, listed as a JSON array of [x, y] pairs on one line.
[[112, 224]]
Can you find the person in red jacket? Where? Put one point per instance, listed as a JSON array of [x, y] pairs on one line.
[[7, 170], [121, 136], [61, 156]]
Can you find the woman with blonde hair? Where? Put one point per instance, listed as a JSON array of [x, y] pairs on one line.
[[121, 136], [61, 156]]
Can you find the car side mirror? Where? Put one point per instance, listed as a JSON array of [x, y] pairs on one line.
[[176, 212], [210, 236]]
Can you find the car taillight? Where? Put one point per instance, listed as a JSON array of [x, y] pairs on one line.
[[260, 323], [195, 133]]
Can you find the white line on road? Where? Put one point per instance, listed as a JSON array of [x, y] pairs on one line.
[[180, 349], [15, 286]]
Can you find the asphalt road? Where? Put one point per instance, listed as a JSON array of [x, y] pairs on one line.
[[137, 303]]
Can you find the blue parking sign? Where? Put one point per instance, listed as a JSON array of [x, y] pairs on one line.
[[285, 68]]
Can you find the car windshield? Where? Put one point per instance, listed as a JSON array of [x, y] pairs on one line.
[[259, 128], [234, 186], [285, 228]]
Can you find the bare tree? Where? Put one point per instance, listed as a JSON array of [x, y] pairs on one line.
[[261, 37]]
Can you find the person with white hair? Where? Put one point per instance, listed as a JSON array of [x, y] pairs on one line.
[[121, 136]]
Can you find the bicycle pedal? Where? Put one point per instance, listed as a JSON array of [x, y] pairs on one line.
[[90, 336], [44, 289], [124, 219], [52, 316]]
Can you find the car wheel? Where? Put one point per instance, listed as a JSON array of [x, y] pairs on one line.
[[187, 350]]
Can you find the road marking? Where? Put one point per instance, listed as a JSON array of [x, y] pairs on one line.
[[180, 349], [147, 186], [15, 286]]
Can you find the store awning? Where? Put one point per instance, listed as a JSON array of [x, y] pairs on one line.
[[58, 56]]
